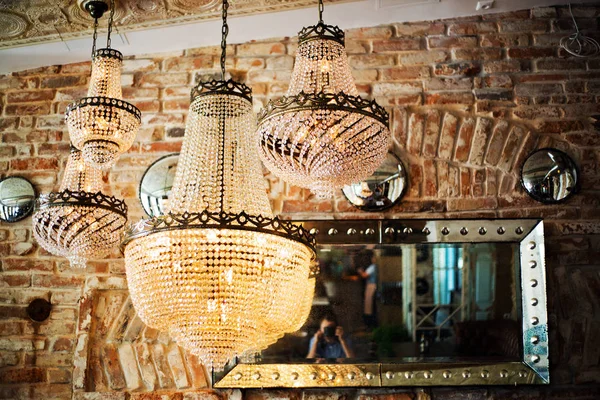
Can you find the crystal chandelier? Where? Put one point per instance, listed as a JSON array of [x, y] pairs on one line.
[[217, 271], [79, 222], [102, 125], [322, 135]]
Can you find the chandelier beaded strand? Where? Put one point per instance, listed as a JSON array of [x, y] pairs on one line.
[[322, 135], [103, 125], [216, 271]]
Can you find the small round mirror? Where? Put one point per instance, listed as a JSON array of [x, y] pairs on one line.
[[156, 184], [549, 176], [381, 190], [17, 198]]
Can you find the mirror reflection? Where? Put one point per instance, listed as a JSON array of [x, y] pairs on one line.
[[156, 184], [549, 176], [17, 198], [381, 190], [410, 301]]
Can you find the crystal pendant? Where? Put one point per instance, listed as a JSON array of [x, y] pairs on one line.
[[217, 270], [322, 135], [102, 125]]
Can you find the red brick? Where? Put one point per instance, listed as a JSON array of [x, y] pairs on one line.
[[46, 149], [491, 67], [531, 52], [504, 40], [524, 26], [27, 96], [510, 148], [63, 81], [377, 32], [419, 29], [27, 109], [176, 105], [56, 281], [77, 68], [371, 60], [161, 80], [449, 98], [432, 133], [305, 206], [415, 177], [404, 73], [430, 179], [477, 54], [423, 57], [394, 45], [22, 280], [400, 126], [23, 375], [34, 164], [538, 89], [26, 264], [185, 64], [262, 49], [416, 130], [558, 64], [452, 42], [447, 136], [170, 147], [465, 182], [471, 28], [465, 135], [497, 141], [457, 69]]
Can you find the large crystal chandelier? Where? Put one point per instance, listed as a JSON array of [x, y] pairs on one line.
[[322, 135], [218, 271], [102, 125], [79, 222]]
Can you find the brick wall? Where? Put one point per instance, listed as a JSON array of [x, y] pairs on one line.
[[468, 99]]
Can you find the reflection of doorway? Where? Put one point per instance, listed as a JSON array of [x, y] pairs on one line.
[[437, 282], [483, 282]]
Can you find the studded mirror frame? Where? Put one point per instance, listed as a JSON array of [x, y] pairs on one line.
[[533, 367]]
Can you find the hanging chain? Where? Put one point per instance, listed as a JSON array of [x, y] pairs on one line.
[[95, 37], [224, 32], [110, 22], [321, 8]]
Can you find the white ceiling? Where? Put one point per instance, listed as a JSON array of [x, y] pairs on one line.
[[356, 14]]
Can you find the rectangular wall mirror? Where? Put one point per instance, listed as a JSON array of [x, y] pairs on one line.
[[415, 302]]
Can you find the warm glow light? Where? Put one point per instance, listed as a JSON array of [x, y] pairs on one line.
[[218, 272]]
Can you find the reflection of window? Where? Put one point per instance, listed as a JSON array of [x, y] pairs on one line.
[[447, 266]]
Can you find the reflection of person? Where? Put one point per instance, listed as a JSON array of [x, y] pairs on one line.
[[329, 341], [369, 274]]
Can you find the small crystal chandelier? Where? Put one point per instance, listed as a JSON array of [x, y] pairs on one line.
[[218, 272], [79, 222], [102, 125], [322, 135]]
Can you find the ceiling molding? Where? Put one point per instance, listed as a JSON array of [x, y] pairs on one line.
[[191, 31]]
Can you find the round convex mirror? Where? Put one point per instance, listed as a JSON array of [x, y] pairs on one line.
[[156, 184], [381, 190], [17, 198], [549, 176]]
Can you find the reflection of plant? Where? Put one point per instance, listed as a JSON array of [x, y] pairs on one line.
[[385, 335]]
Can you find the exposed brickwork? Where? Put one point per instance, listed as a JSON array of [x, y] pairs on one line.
[[468, 98]]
